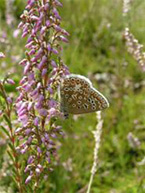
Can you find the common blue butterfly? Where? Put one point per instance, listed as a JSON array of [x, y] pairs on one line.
[[78, 96]]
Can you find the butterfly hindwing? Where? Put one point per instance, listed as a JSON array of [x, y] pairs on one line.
[[78, 96]]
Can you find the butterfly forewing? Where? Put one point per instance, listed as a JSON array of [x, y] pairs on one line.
[[78, 96]]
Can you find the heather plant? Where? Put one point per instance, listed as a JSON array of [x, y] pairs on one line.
[[136, 50], [7, 126], [37, 105]]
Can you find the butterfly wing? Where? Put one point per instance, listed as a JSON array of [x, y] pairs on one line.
[[79, 97]]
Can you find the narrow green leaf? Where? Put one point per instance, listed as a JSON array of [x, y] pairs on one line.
[[11, 156], [7, 120], [11, 146], [14, 179], [5, 130], [2, 95]]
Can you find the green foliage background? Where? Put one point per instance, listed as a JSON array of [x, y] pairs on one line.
[[96, 47]]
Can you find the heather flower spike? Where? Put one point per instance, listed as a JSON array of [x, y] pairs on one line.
[[36, 105], [135, 48]]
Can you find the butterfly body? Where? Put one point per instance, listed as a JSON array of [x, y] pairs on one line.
[[78, 96]]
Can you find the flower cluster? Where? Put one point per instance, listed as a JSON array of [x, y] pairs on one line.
[[134, 48], [133, 140], [37, 105]]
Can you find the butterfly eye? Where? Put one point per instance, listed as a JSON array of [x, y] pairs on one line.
[[79, 107], [72, 80], [93, 107], [73, 105], [66, 89], [77, 81], [92, 101], [79, 102]]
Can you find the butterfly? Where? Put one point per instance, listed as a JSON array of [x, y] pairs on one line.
[[78, 96]]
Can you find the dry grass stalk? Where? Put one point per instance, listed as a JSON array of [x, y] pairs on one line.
[[97, 135]]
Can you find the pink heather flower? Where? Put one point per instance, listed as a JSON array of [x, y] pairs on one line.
[[9, 99], [18, 130], [57, 28], [50, 90], [28, 131], [52, 103], [53, 63], [27, 168], [30, 4], [54, 51], [28, 179], [34, 18], [30, 159], [49, 47], [16, 33], [10, 81], [38, 171], [32, 52], [23, 80], [36, 121], [30, 44], [43, 61], [52, 112], [56, 14], [43, 30], [64, 32], [27, 68], [57, 3], [23, 62], [22, 112], [30, 105], [46, 137], [39, 149], [23, 151], [48, 23], [63, 39], [43, 112], [21, 24], [44, 71], [24, 34]]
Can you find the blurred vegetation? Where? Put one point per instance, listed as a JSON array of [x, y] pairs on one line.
[[96, 50]]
